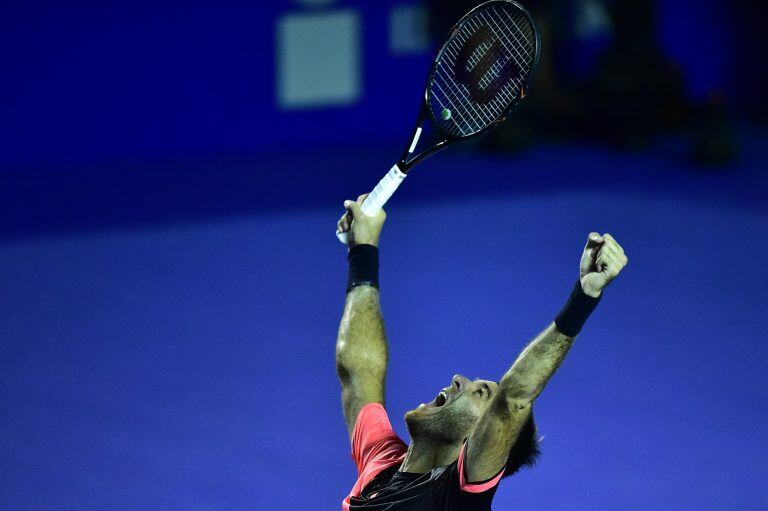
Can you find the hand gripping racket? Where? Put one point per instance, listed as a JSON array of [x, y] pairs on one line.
[[482, 70]]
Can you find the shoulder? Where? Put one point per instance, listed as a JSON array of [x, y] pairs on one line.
[[371, 423], [374, 442]]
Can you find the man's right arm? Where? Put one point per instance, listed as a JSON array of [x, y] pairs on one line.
[[361, 346], [361, 353]]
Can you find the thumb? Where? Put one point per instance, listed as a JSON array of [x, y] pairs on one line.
[[593, 240], [589, 255]]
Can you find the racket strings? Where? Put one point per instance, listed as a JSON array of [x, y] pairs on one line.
[[482, 69], [503, 98], [512, 49]]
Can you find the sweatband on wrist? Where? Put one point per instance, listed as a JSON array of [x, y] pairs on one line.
[[577, 309], [363, 266]]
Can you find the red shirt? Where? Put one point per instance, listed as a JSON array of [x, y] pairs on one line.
[[378, 452]]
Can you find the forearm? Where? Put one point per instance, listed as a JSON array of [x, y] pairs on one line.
[[361, 346], [541, 358], [362, 342], [535, 365]]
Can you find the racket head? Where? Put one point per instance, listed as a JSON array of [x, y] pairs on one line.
[[483, 69]]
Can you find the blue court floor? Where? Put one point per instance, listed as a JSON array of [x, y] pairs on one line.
[[187, 363]]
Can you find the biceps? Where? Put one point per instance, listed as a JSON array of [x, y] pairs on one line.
[[491, 441], [357, 390]]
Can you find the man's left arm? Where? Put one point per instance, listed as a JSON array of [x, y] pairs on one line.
[[497, 430]]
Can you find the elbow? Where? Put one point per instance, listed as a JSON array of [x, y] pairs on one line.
[[345, 357], [343, 354], [349, 363], [342, 365]]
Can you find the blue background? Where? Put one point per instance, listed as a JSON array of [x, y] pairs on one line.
[[95, 83], [170, 287]]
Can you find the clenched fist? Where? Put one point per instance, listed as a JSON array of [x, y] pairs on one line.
[[602, 260], [364, 229]]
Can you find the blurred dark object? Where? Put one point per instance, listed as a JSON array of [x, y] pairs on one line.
[[623, 93], [443, 15], [635, 92], [748, 78], [713, 141]]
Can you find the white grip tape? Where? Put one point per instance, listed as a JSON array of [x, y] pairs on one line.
[[383, 191], [378, 197]]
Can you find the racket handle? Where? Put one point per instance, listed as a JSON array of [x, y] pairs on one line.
[[378, 197]]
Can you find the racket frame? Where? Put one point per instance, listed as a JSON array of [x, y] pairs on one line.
[[397, 173], [444, 139]]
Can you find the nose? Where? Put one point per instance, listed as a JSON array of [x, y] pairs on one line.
[[459, 382]]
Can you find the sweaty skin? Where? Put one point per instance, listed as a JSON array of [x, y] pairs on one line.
[[361, 352], [490, 415], [361, 346]]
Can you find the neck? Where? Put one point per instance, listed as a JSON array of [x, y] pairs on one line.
[[424, 455]]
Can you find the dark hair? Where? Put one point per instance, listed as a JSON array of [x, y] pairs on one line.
[[526, 450]]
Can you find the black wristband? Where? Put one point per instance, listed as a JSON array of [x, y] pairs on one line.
[[577, 309], [363, 266]]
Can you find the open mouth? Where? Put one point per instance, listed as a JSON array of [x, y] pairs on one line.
[[439, 401]]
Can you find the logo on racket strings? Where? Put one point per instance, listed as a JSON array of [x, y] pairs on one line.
[[493, 54]]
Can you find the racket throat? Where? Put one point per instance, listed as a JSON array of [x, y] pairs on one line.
[[410, 157], [415, 140]]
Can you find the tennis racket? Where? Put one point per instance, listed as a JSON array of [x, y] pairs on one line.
[[482, 70]]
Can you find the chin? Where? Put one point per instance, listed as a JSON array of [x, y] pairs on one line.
[[415, 424], [424, 423], [411, 416], [438, 423], [416, 416]]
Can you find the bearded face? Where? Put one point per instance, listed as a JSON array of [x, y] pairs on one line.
[[453, 414]]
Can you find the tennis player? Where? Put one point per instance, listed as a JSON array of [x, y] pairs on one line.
[[475, 432]]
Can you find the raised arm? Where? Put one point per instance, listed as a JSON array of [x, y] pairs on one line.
[[498, 428], [361, 347]]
